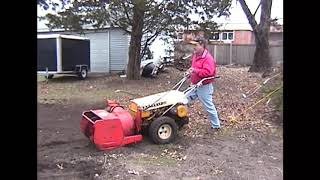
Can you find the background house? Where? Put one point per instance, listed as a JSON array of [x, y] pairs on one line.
[[236, 34], [276, 35], [108, 47], [233, 44]]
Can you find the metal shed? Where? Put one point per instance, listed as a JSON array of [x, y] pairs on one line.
[[108, 48]]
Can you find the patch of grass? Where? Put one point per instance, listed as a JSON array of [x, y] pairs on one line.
[[74, 92], [225, 132], [277, 97], [278, 100], [40, 78]]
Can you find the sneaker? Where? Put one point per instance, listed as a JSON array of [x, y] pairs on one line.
[[214, 129]]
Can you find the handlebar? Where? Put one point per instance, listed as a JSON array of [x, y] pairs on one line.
[[186, 75], [213, 77], [194, 86]]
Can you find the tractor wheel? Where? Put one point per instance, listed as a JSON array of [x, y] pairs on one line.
[[83, 73], [163, 130], [50, 76]]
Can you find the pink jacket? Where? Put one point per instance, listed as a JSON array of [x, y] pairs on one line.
[[204, 66]]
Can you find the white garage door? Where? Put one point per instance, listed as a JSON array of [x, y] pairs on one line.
[[118, 50], [99, 51]]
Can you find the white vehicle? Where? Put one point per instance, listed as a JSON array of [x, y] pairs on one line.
[[150, 66]]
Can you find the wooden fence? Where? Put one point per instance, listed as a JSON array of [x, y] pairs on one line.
[[242, 54]]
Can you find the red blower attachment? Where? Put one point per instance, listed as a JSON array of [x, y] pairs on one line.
[[111, 127]]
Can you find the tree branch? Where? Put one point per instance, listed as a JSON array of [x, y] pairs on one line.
[[126, 12], [151, 24], [249, 15], [148, 42], [126, 30], [254, 15], [264, 25], [251, 19]]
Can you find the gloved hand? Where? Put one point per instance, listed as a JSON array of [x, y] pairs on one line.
[[188, 72]]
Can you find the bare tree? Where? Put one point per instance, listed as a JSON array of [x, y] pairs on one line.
[[262, 61]]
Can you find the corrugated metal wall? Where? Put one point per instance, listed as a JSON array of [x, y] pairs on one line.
[[99, 51], [119, 49], [108, 49]]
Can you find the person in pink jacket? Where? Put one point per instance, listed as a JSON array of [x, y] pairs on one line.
[[203, 65]]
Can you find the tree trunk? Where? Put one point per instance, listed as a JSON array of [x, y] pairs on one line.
[[262, 61], [133, 68]]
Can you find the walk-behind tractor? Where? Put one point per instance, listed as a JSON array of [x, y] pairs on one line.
[[161, 115]]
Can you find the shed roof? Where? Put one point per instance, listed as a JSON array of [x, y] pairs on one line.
[[46, 36]]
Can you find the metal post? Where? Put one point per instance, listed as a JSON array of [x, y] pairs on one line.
[[59, 54], [230, 52], [47, 74], [215, 52]]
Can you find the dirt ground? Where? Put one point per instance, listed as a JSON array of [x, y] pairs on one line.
[[250, 148]]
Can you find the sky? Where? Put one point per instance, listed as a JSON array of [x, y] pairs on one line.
[[237, 17]]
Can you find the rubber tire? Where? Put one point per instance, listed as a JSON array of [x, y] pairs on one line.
[[147, 70], [156, 124], [81, 76], [50, 76]]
